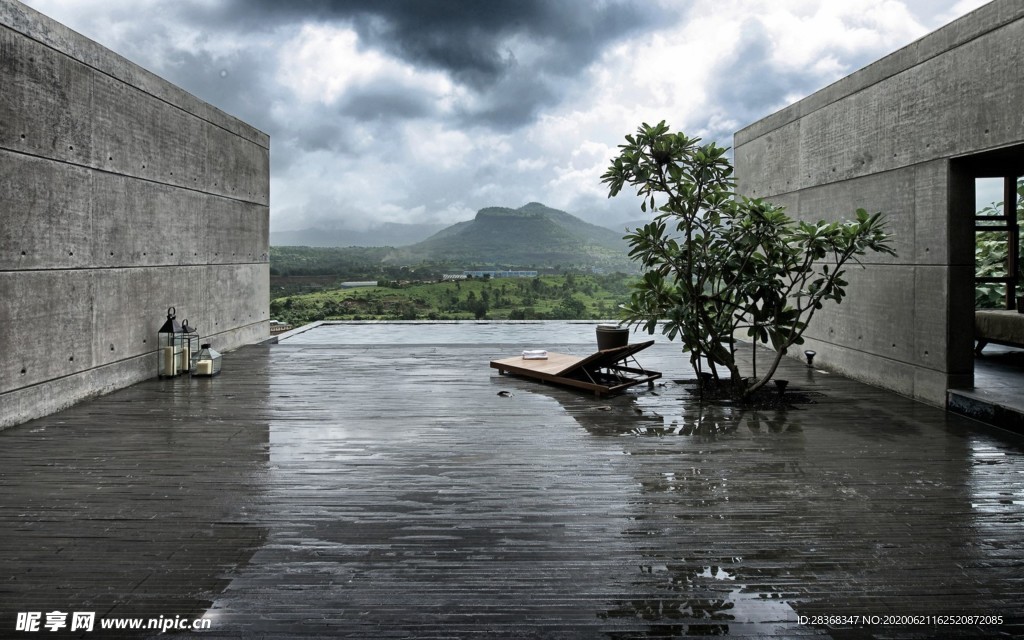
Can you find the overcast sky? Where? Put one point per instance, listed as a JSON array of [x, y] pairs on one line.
[[428, 110]]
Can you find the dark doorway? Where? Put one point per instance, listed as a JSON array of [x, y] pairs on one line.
[[988, 190]]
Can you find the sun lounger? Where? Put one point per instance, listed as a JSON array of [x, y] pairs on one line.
[[604, 372]]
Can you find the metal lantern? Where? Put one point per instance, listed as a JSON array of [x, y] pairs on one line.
[[189, 339], [175, 345], [167, 357], [206, 362]]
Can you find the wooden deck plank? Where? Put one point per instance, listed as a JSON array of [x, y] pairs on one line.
[[389, 492]]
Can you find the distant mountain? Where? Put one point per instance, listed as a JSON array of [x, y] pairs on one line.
[[533, 235], [389, 234]]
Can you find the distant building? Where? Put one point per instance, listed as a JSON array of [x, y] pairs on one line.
[[357, 284], [500, 274], [277, 327], [449, 277]]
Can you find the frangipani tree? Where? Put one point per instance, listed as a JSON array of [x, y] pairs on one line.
[[717, 265]]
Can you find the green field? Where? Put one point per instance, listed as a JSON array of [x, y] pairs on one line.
[[554, 297]]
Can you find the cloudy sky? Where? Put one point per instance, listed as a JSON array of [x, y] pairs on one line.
[[428, 110]]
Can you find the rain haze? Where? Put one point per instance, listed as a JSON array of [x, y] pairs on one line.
[[424, 111]]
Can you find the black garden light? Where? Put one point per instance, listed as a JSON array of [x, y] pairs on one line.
[[810, 357]]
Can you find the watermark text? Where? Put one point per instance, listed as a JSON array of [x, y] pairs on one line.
[[51, 621]]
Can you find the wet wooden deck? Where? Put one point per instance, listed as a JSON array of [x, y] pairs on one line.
[[390, 492]]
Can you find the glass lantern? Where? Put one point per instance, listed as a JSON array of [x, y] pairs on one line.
[[206, 362], [189, 339], [168, 351], [175, 345]]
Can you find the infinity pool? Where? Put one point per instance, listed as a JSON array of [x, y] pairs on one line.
[[540, 332]]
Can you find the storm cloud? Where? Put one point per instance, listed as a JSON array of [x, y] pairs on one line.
[[472, 39], [514, 57], [428, 110]]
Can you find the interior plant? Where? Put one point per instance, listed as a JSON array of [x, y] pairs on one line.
[[990, 256], [717, 265]]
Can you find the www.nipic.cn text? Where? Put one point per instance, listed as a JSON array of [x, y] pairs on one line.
[[42, 621]]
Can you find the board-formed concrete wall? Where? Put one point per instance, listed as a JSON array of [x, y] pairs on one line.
[[120, 195], [888, 138]]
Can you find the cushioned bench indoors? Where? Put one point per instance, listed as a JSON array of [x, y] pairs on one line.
[[1000, 326]]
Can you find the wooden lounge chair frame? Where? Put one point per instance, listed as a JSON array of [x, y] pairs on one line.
[[605, 372]]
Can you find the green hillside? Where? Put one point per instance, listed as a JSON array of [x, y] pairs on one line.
[[546, 297], [532, 236]]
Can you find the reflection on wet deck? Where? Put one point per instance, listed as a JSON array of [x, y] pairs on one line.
[[388, 491]]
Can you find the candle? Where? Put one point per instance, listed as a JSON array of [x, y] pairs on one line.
[[186, 359], [204, 368], [169, 368]]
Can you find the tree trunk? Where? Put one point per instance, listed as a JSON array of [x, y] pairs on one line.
[[768, 375]]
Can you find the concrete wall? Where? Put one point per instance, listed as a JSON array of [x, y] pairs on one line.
[[889, 138], [120, 195]]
